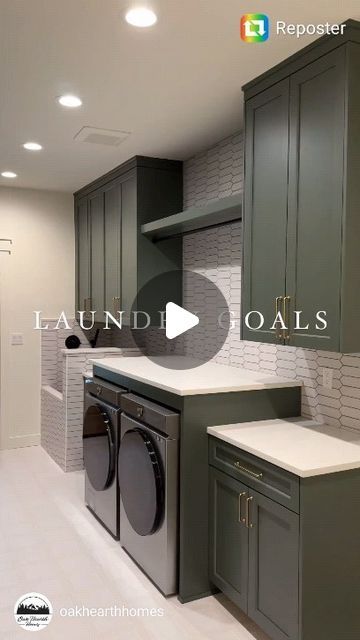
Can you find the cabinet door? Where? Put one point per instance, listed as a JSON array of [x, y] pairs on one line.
[[265, 207], [82, 255], [273, 567], [228, 562], [97, 261], [112, 202], [316, 199], [129, 245]]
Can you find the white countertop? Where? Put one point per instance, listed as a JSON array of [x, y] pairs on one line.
[[204, 378], [303, 447]]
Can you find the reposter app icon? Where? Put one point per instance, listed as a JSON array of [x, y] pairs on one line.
[[254, 27]]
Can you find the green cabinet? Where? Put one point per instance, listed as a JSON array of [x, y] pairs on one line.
[[254, 554], [273, 600], [113, 207], [113, 259], [285, 549], [265, 217], [98, 250], [301, 199], [229, 560], [96, 256], [316, 177], [82, 260]]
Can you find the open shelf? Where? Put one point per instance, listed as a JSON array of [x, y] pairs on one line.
[[217, 212]]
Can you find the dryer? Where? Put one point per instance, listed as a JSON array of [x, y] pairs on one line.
[[101, 437], [148, 465]]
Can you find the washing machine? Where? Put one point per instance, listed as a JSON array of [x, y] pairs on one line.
[[101, 437], [148, 465]]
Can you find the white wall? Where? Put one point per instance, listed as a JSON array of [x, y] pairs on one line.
[[38, 275]]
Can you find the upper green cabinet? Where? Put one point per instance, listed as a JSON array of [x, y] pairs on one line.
[[113, 200], [302, 197], [265, 223], [113, 259], [82, 262], [96, 215]]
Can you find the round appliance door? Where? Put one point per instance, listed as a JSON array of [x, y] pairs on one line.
[[141, 481], [99, 447]]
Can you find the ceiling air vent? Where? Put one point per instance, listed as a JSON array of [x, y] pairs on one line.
[[107, 137]]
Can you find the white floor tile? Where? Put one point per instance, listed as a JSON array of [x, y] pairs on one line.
[[51, 544]]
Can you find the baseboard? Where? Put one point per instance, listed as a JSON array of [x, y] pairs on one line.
[[17, 442]]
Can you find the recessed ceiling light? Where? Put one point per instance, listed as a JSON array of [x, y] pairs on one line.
[[70, 101], [9, 174], [141, 17], [32, 146]]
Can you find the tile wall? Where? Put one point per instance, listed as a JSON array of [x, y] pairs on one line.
[[216, 253]]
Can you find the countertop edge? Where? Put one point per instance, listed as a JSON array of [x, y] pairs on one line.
[[254, 386], [308, 473]]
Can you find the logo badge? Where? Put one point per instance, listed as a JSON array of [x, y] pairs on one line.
[[254, 27], [33, 611]]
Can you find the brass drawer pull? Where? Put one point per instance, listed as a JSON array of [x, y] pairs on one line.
[[254, 474], [240, 518], [248, 516]]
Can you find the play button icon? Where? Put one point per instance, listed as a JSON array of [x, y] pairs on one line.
[[178, 320], [179, 313]]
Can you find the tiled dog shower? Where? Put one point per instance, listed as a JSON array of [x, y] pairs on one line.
[[62, 387]]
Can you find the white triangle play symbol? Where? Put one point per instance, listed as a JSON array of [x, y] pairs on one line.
[[178, 320]]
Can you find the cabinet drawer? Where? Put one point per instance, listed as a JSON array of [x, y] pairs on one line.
[[271, 481]]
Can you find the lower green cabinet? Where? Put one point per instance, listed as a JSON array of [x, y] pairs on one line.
[[228, 537], [254, 554], [273, 590], [285, 548]]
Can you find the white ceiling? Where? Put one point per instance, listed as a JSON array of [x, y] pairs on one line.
[[176, 86]]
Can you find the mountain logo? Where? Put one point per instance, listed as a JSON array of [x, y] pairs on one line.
[[33, 611]]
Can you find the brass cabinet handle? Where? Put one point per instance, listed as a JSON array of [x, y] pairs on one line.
[[286, 312], [248, 515], [278, 302], [254, 474], [240, 518]]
